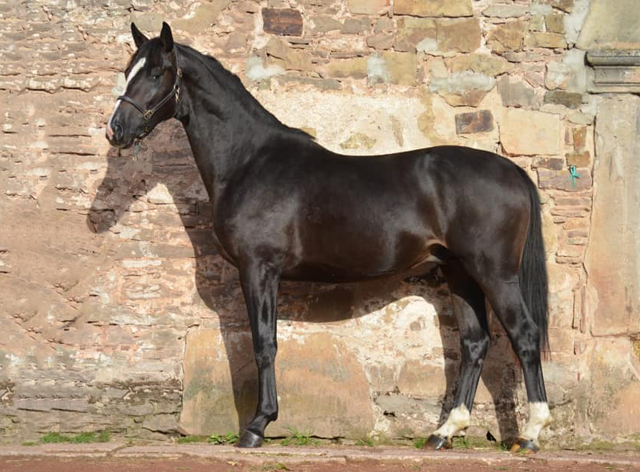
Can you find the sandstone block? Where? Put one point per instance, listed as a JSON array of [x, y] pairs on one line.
[[324, 24], [437, 8], [561, 180], [402, 67], [474, 122], [288, 57], [505, 11], [282, 21], [221, 379], [462, 35], [579, 138], [555, 23], [463, 89], [507, 37], [579, 159], [367, 7], [380, 41], [411, 31], [545, 40], [610, 25], [481, 63], [613, 275], [516, 93], [205, 16], [530, 133], [567, 99], [554, 163], [356, 25], [564, 5], [355, 67]]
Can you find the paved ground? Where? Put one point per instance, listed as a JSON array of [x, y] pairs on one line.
[[200, 458]]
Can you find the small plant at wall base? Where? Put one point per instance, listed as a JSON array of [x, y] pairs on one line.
[[229, 438], [298, 439], [81, 438]]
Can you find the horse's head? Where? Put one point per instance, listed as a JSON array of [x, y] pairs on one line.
[[151, 92]]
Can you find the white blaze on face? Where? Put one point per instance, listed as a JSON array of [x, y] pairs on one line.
[[459, 419], [134, 70], [539, 417]]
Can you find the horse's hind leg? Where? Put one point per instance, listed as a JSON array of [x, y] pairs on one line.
[[506, 300], [470, 312]]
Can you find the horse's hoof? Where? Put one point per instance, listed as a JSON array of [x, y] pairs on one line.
[[249, 439], [436, 443], [524, 446]]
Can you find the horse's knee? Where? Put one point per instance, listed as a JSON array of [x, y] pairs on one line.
[[265, 354], [474, 349]]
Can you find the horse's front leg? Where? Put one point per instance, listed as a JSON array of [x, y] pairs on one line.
[[259, 281]]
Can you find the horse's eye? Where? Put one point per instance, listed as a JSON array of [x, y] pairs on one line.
[[155, 76]]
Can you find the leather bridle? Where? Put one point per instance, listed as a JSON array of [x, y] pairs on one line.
[[148, 114]]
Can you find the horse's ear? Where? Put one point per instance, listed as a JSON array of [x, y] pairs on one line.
[[166, 37], [138, 37]]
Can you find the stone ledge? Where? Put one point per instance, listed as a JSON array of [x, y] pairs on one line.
[[314, 454], [615, 71]]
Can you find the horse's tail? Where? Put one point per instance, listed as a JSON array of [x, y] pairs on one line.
[[533, 269]]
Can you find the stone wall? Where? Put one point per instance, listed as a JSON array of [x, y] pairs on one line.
[[140, 330]]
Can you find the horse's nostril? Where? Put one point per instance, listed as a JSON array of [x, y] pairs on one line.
[[117, 131]]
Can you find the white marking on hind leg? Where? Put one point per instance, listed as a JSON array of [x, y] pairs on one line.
[[459, 419], [539, 417]]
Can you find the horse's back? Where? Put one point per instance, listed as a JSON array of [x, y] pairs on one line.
[[334, 217]]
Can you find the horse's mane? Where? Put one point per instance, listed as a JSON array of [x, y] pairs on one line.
[[234, 85]]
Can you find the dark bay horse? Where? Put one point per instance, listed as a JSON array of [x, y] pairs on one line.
[[286, 208]]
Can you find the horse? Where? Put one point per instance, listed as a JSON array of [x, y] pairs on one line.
[[286, 208]]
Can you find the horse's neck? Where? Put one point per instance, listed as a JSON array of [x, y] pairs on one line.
[[224, 134]]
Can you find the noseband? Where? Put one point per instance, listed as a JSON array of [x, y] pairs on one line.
[[147, 114]]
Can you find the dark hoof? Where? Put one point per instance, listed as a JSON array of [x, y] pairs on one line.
[[524, 446], [249, 439], [437, 443]]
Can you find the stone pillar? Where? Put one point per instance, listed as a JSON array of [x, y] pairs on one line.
[[613, 252]]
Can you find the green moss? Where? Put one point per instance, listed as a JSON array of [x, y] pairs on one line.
[[81, 438], [229, 438], [298, 439], [419, 443], [365, 442], [192, 439]]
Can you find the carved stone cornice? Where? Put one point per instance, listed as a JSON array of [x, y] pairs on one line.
[[616, 71]]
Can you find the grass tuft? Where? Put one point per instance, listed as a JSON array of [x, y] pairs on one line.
[[223, 439], [81, 438], [298, 439], [419, 443], [192, 439]]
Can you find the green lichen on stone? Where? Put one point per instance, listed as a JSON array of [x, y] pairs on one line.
[[358, 141]]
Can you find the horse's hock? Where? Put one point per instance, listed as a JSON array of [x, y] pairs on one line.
[[141, 330]]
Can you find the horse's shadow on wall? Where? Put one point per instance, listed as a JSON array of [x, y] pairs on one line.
[[132, 173]]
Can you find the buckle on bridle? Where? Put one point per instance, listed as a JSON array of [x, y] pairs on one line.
[[148, 114]]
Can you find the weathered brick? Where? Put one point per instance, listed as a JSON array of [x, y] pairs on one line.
[[474, 122], [282, 21], [561, 180]]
